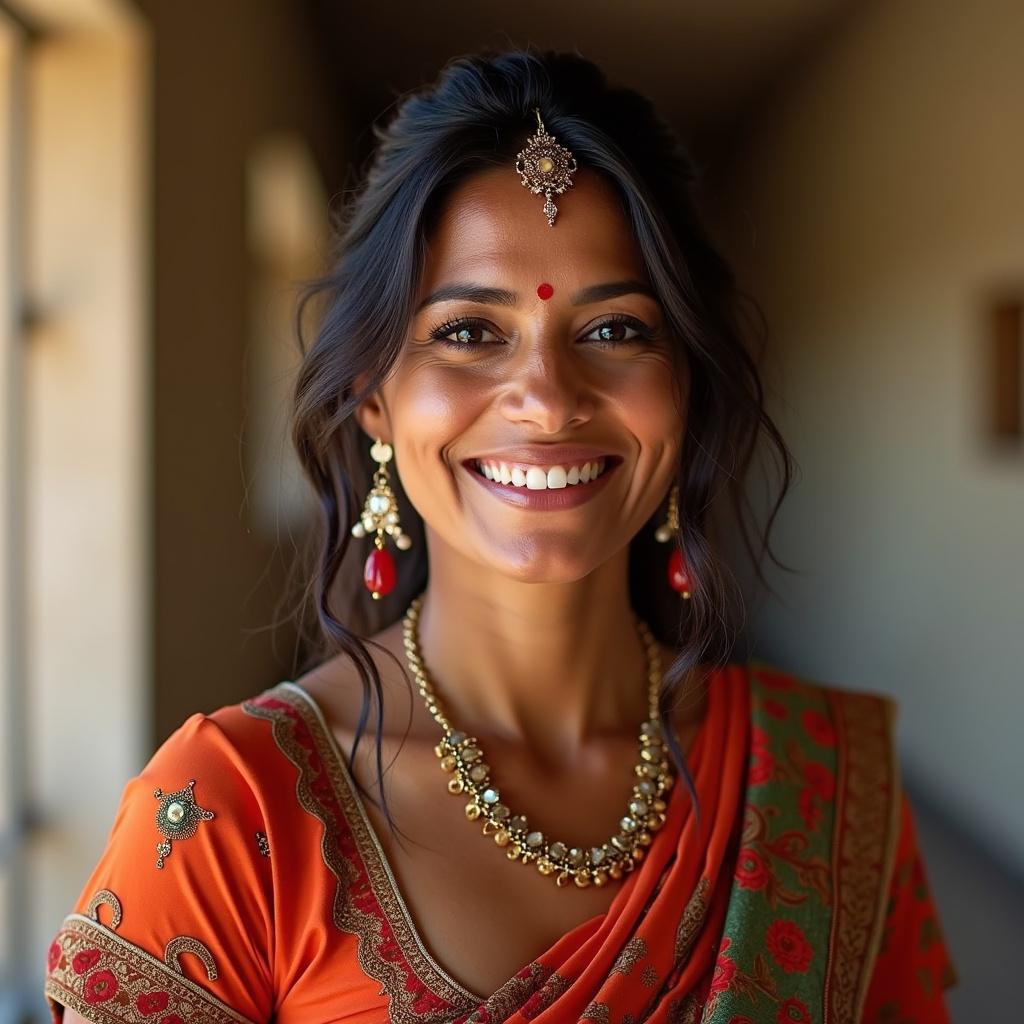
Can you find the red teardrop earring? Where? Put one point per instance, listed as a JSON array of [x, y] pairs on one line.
[[380, 515], [678, 576]]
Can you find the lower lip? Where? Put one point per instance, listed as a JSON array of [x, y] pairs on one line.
[[546, 498]]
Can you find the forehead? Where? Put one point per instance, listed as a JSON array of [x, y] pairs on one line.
[[492, 224]]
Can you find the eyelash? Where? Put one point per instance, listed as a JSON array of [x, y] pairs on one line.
[[438, 332]]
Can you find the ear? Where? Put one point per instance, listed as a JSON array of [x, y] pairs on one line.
[[372, 414]]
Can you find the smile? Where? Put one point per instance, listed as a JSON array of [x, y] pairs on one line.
[[537, 478], [544, 487]]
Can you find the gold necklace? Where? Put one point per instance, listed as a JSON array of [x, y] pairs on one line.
[[462, 757]]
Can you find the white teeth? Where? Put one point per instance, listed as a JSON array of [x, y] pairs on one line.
[[556, 477], [537, 478]]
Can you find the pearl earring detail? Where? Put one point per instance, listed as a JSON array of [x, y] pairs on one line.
[[380, 515], [678, 577]]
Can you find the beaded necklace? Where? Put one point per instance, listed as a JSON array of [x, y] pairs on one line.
[[462, 757]]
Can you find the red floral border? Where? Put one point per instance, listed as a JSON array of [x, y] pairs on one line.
[[110, 981], [361, 905], [367, 903]]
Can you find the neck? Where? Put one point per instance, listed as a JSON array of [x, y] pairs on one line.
[[550, 666]]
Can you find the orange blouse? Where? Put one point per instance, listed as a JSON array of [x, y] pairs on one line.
[[242, 881]]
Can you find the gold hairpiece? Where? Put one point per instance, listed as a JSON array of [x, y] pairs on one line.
[[545, 166]]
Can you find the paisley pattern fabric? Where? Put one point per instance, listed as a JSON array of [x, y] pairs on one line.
[[798, 894]]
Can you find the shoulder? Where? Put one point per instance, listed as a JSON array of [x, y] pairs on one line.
[[178, 912], [770, 683], [844, 736], [228, 751]]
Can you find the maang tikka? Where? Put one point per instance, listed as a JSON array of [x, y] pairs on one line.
[[380, 516], [678, 576], [545, 166]]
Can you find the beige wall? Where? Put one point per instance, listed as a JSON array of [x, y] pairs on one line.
[[878, 201], [84, 441], [151, 579], [223, 84]]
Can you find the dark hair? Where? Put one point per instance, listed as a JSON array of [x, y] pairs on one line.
[[478, 115]]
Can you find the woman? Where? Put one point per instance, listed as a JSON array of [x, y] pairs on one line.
[[586, 817]]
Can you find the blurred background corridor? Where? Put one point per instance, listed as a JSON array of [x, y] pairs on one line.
[[166, 172]]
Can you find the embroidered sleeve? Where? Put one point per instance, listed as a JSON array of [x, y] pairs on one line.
[[914, 966], [174, 925]]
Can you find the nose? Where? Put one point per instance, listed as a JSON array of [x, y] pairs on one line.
[[547, 387]]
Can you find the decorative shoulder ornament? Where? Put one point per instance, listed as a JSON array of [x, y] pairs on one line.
[[545, 166], [177, 817]]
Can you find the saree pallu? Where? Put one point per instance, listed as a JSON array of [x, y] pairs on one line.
[[242, 881]]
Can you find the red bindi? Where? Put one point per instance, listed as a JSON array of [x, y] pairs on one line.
[[544, 290]]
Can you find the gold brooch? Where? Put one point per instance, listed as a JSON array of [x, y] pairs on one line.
[[545, 166], [177, 817]]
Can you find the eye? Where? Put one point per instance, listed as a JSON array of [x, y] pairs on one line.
[[462, 333], [615, 330]]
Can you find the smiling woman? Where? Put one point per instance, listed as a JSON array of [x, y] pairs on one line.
[[556, 390]]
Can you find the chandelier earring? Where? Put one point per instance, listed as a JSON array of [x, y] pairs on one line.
[[678, 576], [379, 517]]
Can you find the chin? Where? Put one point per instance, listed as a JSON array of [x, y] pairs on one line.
[[542, 565]]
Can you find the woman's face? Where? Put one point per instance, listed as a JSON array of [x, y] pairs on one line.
[[493, 373]]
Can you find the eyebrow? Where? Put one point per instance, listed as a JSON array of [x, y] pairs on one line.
[[502, 297]]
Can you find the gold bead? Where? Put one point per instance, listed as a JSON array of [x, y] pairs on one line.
[[646, 813], [546, 164]]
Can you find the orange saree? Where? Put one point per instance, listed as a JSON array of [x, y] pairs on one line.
[[242, 881]]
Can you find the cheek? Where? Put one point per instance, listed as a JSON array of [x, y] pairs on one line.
[[645, 394], [431, 409], [426, 407]]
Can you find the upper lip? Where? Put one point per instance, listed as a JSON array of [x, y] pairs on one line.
[[545, 455]]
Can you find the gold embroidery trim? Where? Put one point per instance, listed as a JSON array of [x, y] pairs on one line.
[[104, 896], [347, 917], [187, 944], [512, 995], [103, 977], [600, 1013], [864, 845], [691, 922], [632, 953]]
